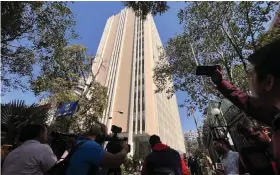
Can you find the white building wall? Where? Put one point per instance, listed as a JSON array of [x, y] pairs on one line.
[[170, 128]]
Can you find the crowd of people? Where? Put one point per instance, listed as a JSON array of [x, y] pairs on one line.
[[87, 156], [263, 106]]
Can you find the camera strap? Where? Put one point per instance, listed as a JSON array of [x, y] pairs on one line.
[[72, 151], [60, 167]]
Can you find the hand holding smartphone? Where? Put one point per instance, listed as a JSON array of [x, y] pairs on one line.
[[206, 70]]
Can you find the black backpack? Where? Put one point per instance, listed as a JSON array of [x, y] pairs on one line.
[[165, 162], [60, 168], [163, 171]]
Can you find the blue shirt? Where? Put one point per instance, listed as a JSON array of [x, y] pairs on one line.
[[90, 153]]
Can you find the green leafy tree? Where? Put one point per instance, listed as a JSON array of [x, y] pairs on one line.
[[132, 165], [16, 114], [192, 146], [69, 77], [223, 33], [31, 33], [143, 8]]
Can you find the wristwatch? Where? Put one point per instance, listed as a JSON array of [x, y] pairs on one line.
[[276, 123]]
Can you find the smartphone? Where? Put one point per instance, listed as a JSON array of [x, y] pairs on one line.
[[206, 70], [219, 166]]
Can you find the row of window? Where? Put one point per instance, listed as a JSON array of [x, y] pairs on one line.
[[135, 93], [139, 82], [139, 69], [143, 104], [138, 125]]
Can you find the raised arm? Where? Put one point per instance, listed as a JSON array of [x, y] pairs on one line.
[[250, 105]]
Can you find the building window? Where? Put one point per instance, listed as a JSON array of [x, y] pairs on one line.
[[138, 106], [133, 125], [143, 125], [139, 95], [143, 65], [138, 125]]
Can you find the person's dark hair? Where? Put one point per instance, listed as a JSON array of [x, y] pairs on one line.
[[223, 141], [154, 139], [243, 126], [31, 131], [94, 130], [4, 127], [266, 60]]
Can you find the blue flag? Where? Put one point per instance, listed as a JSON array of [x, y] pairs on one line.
[[67, 109]]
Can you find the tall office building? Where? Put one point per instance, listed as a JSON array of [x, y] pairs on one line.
[[128, 51]]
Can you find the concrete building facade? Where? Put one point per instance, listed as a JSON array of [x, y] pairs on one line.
[[127, 53], [191, 135]]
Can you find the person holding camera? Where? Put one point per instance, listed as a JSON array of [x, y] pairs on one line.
[[32, 156], [90, 156], [229, 158], [264, 104]]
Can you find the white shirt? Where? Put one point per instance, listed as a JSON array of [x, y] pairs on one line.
[[32, 158], [230, 162]]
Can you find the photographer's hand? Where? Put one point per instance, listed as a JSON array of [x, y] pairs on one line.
[[125, 146], [219, 172], [217, 76], [115, 160]]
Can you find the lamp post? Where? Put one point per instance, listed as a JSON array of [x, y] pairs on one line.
[[109, 122], [216, 112]]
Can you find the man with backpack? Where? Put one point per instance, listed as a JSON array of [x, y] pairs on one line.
[[163, 160], [89, 156]]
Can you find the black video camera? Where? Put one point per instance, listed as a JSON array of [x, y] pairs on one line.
[[114, 141], [116, 130], [114, 146], [60, 135], [61, 142], [206, 70]]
